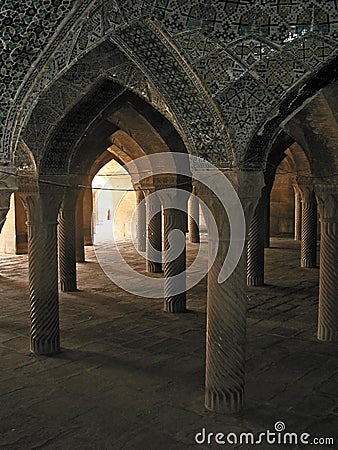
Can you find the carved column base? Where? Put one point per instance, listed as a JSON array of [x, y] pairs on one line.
[[219, 402], [176, 304], [48, 347], [153, 267], [308, 263], [255, 280]]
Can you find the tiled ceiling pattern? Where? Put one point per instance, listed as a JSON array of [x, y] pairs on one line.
[[248, 54]]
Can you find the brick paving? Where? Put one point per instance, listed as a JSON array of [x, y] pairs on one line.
[[131, 376]]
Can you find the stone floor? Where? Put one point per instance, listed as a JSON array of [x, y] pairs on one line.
[[131, 376]]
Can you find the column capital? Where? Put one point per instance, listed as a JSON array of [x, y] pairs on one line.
[[147, 190], [296, 188], [174, 199], [164, 181], [327, 198], [69, 198], [305, 187], [139, 195], [247, 184], [42, 205]]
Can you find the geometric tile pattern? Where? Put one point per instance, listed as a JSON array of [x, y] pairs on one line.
[[251, 49], [218, 69], [189, 104], [244, 104], [69, 131], [73, 86], [241, 50], [195, 45], [280, 71], [312, 49]]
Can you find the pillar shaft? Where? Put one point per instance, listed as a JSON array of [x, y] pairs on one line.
[[255, 249], [88, 215], [174, 268], [193, 214], [266, 221], [67, 241], [309, 228], [79, 233], [226, 331], [67, 250], [227, 304], [298, 215], [42, 209], [140, 221], [328, 267], [154, 234], [43, 287]]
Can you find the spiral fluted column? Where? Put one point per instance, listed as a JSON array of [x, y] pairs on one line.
[[309, 228], [43, 286], [67, 242], [227, 303], [174, 268], [79, 233], [154, 234], [298, 215], [255, 250], [193, 215], [266, 221], [328, 267], [67, 250], [42, 209], [140, 221]]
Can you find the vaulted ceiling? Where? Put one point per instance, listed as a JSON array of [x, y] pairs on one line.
[[225, 73]]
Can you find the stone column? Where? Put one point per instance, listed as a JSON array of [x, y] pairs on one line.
[[79, 233], [140, 221], [327, 196], [266, 220], [67, 241], [154, 233], [255, 250], [298, 214], [174, 254], [8, 185], [42, 209], [193, 214], [309, 227], [87, 214], [227, 302]]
